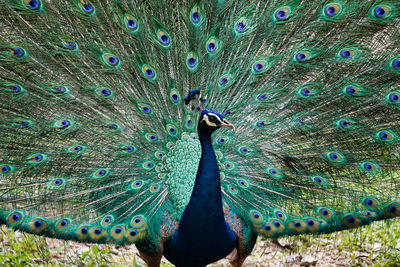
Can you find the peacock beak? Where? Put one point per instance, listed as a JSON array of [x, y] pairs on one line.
[[227, 124]]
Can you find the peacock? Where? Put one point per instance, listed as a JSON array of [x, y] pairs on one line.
[[190, 128]]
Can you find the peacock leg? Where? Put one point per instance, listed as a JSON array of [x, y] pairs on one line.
[[151, 251], [242, 251], [151, 260]]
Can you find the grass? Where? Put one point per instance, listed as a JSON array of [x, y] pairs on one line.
[[377, 244]]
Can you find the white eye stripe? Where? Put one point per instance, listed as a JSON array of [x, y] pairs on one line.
[[209, 123], [215, 116]]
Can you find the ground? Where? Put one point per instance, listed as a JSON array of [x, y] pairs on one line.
[[374, 245]]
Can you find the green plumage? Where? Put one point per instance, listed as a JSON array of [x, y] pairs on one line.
[[95, 133]]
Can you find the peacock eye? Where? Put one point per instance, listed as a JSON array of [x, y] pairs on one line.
[[213, 119]]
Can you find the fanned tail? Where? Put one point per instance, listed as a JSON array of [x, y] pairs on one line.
[[97, 144]]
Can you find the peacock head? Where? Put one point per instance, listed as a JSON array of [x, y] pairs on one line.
[[211, 120]]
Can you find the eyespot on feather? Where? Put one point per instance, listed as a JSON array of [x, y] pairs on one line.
[[225, 80], [63, 124], [212, 45], [297, 226], [154, 188], [164, 38], [171, 130], [133, 235], [232, 189], [130, 23], [302, 56], [36, 159], [70, 45], [149, 72], [325, 213], [189, 122], [332, 10], [260, 66], [101, 174], [136, 184], [56, 183], [381, 12], [192, 61], [346, 53], [6, 169], [319, 180], [279, 225], [97, 233], [267, 230], [103, 93], [110, 60], [38, 225], [282, 14], [370, 167], [241, 26], [335, 157], [12, 88], [118, 232], [175, 96], [345, 124], [229, 166], [139, 222], [15, 218], [21, 123], [221, 140], [107, 220], [370, 202], [152, 137], [242, 183], [148, 165], [280, 215], [275, 173], [196, 16], [256, 217], [392, 210], [367, 214], [393, 99], [63, 224], [394, 64], [83, 232], [311, 224], [351, 221], [18, 53], [385, 136], [353, 90], [33, 5], [87, 8]]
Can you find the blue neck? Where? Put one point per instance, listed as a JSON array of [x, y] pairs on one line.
[[203, 235], [206, 200]]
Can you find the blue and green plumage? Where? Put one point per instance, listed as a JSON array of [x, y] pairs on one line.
[[100, 138]]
